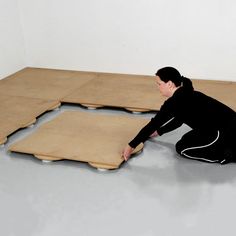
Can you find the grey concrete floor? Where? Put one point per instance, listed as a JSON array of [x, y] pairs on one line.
[[155, 193]]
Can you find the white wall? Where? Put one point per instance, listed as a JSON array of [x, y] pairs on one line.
[[12, 56], [132, 36]]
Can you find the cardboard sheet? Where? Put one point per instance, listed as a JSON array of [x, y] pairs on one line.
[[224, 91], [82, 136], [46, 84], [133, 92], [20, 112], [93, 89]]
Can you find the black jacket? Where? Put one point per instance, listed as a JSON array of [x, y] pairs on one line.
[[189, 107]]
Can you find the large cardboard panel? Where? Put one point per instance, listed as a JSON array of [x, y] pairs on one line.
[[132, 92], [44, 83], [82, 136], [224, 91], [20, 112]]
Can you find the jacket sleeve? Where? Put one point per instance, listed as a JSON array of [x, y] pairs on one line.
[[170, 125], [163, 122], [143, 134]]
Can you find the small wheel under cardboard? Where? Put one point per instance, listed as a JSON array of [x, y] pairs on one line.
[[136, 110], [102, 167], [47, 159], [28, 124], [91, 106]]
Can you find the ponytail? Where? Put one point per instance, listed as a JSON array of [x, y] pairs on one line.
[[187, 83]]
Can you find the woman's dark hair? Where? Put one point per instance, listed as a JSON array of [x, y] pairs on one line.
[[171, 74]]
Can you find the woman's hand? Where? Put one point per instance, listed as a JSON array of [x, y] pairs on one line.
[[126, 153], [153, 135]]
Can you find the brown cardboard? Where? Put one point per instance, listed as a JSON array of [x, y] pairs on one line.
[[133, 92], [46, 84], [82, 136], [20, 112], [224, 91]]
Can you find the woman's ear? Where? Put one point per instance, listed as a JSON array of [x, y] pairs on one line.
[[170, 84]]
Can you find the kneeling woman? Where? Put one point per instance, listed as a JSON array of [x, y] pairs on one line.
[[213, 123]]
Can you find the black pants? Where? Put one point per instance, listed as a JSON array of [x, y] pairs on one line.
[[210, 146]]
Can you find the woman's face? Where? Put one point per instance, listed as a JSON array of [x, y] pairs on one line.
[[163, 87]]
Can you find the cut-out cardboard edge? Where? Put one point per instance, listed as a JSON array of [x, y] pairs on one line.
[[93, 164], [58, 104], [28, 123], [3, 140], [132, 109], [100, 166], [33, 121]]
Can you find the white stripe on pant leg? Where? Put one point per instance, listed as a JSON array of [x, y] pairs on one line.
[[199, 158], [167, 122]]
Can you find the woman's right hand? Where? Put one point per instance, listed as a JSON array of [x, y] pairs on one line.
[[126, 153]]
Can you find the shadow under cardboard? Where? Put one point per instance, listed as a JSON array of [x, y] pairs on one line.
[[65, 163]]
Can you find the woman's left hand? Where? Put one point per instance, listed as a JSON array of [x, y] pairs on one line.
[[153, 135]]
